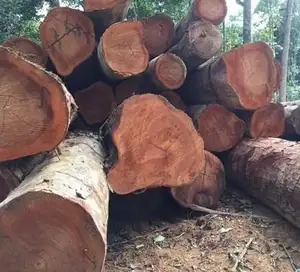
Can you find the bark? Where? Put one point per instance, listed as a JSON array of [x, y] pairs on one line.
[[200, 42], [206, 189], [292, 118], [158, 33], [243, 78], [144, 134], [68, 37], [285, 51], [167, 72], [278, 70], [63, 227], [36, 108], [96, 102], [174, 99], [268, 169], [121, 51], [267, 121], [247, 20], [127, 88], [206, 10], [220, 129], [29, 49]]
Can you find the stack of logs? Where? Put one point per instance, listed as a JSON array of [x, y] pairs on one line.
[[167, 103]]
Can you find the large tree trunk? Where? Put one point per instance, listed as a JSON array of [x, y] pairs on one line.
[[68, 37], [268, 169], [200, 42], [56, 220], [121, 50], [285, 51], [247, 20], [243, 78], [267, 121], [36, 108], [220, 129], [150, 144], [206, 189], [292, 118]]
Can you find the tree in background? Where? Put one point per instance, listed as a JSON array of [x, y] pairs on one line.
[[247, 20]]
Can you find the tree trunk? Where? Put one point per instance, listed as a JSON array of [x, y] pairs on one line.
[[285, 51], [144, 134], [243, 78], [220, 129], [268, 169], [127, 88], [68, 37], [174, 99], [201, 41], [247, 20], [158, 33], [167, 72], [267, 121], [292, 118], [36, 108], [206, 189], [96, 102], [29, 49], [206, 10], [56, 220], [122, 52]]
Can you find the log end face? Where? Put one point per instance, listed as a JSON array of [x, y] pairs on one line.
[[213, 11]]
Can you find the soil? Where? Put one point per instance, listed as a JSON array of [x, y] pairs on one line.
[[150, 232]]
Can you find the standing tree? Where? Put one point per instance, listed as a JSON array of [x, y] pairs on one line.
[[247, 18]]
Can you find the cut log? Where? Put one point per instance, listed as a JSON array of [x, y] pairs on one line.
[[150, 144], [167, 72], [36, 108], [243, 78], [268, 169], [105, 13], [96, 102], [206, 189], [56, 220], [68, 37], [292, 118], [267, 121], [201, 41], [213, 11], [122, 52], [220, 129], [174, 99], [127, 88], [29, 49], [158, 33]]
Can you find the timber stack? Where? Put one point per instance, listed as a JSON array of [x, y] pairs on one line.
[[108, 104]]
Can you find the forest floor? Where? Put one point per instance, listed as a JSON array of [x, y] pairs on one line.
[[150, 232]]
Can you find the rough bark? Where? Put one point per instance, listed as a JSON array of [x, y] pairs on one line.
[[267, 121], [127, 88], [200, 42], [220, 129], [144, 134], [292, 118], [206, 189], [36, 108], [243, 78], [29, 49], [96, 102], [174, 99], [63, 227], [122, 52], [213, 11], [167, 72], [268, 169], [68, 37], [247, 20], [158, 33]]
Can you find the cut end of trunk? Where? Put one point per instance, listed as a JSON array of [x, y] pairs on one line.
[[93, 5], [121, 50], [220, 129], [174, 99], [28, 48], [57, 239], [126, 89], [168, 71], [160, 148], [96, 102], [267, 121], [158, 33], [68, 37], [251, 73], [206, 189], [213, 11], [36, 108]]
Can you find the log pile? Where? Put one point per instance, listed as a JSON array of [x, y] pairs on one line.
[[163, 102]]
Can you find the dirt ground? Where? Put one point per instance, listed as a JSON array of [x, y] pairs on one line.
[[150, 232]]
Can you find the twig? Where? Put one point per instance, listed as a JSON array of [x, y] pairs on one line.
[[295, 269]]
